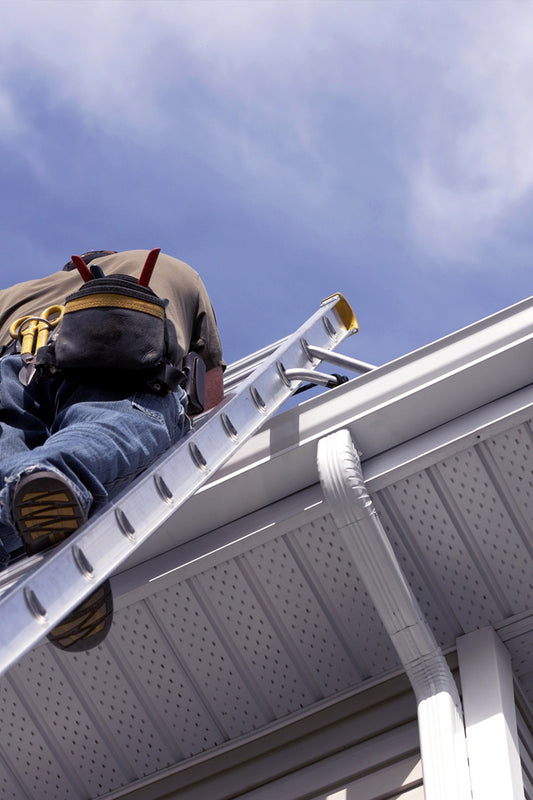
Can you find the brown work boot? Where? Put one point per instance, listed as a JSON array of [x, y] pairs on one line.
[[88, 624], [46, 511]]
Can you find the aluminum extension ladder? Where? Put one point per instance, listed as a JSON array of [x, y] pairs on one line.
[[42, 594]]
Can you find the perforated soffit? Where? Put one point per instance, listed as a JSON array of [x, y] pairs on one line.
[[276, 623]]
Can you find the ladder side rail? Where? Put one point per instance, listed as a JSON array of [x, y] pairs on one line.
[[244, 367], [234, 375], [40, 599]]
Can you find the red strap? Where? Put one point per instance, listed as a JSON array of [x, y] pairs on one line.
[[149, 265], [82, 268]]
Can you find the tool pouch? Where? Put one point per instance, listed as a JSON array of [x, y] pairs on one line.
[[117, 330], [194, 369]]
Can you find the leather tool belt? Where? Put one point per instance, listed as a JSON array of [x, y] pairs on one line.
[[114, 330]]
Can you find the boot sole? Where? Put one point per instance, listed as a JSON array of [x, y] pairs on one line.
[[46, 511], [88, 624]]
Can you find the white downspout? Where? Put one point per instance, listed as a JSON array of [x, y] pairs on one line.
[[440, 719]]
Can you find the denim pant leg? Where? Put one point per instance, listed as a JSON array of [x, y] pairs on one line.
[[24, 410], [100, 439], [23, 426]]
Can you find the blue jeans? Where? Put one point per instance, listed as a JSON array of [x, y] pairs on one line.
[[98, 438]]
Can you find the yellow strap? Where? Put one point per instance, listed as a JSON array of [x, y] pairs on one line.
[[108, 300]]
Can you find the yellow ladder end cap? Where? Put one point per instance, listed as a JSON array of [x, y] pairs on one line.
[[345, 312]]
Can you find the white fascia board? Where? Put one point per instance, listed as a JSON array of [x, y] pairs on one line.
[[446, 440], [411, 395], [383, 409]]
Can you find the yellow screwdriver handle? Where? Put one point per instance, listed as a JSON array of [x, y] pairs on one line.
[[50, 317], [24, 328], [33, 331]]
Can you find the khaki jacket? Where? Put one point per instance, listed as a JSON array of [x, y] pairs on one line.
[[189, 306]]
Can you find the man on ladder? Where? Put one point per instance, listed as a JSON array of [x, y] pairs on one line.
[[91, 393]]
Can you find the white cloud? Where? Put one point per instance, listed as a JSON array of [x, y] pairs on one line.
[[245, 86], [10, 121], [475, 162]]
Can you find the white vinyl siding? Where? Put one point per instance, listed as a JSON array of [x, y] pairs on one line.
[[364, 746]]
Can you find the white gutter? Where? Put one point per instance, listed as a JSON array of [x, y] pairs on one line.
[[441, 728], [383, 409], [405, 398]]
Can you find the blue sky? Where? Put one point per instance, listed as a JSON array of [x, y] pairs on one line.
[[286, 150]]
